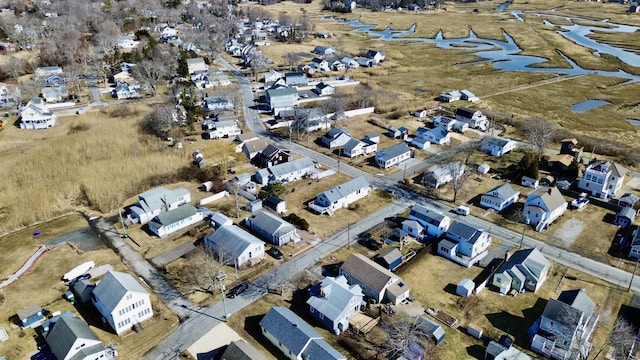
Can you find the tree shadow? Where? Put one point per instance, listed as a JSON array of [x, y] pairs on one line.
[[475, 351], [517, 326], [252, 327], [331, 269]]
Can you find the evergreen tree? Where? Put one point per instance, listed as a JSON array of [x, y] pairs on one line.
[[573, 171], [183, 68]]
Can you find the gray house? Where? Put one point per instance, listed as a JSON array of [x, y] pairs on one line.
[[286, 172], [443, 174], [272, 228], [279, 99], [71, 338], [334, 301], [241, 350], [335, 137], [294, 337], [296, 78], [235, 244], [525, 269], [499, 198], [158, 200], [341, 196], [392, 156]]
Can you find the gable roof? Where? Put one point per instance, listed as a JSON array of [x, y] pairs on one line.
[[257, 145], [351, 144], [334, 132], [64, 333], [550, 196], [504, 191], [393, 151], [564, 159], [344, 189], [426, 215], [175, 215], [272, 149], [391, 255], [528, 262], [464, 231], [241, 350], [270, 223], [569, 308], [332, 296], [157, 198], [497, 141], [232, 239], [114, 286], [289, 329], [465, 112], [250, 135], [291, 166], [606, 166], [367, 271], [283, 91]]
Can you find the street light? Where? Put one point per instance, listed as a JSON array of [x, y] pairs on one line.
[[633, 275]]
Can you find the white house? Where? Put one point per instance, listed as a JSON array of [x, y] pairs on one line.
[[333, 302], [279, 99], [224, 129], [353, 148], [543, 206], [294, 337], [349, 62], [158, 200], [9, 94], [127, 42], [437, 135], [121, 301], [497, 146], [272, 76], [70, 338], [272, 228], [393, 155], [499, 198], [286, 172], [464, 244], [233, 244], [413, 228], [376, 55], [341, 196], [376, 282], [319, 64], [420, 143], [335, 137], [475, 118], [602, 179], [435, 223], [36, 115], [450, 96], [167, 223], [526, 269], [442, 174], [324, 89], [197, 65]]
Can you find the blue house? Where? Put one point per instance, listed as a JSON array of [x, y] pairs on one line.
[[333, 302], [31, 317]]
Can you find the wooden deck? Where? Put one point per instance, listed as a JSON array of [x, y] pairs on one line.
[[362, 323]]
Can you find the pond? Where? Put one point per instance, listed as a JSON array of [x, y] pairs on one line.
[[503, 6], [588, 105], [505, 55], [634, 122]]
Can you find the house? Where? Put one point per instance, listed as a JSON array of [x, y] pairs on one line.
[[625, 217], [333, 301], [420, 143], [218, 219], [441, 121], [337, 65], [217, 103], [376, 55], [324, 89], [436, 135], [54, 95], [158, 200], [224, 129], [543, 206], [82, 290], [286, 172], [500, 197], [443, 174], [634, 252], [70, 338], [241, 139], [9, 94], [420, 113], [475, 118], [36, 115], [377, 283], [467, 95], [341, 196], [31, 316], [253, 148], [628, 200], [294, 337], [241, 350], [233, 244], [559, 163], [497, 146], [450, 96], [273, 155], [167, 223], [353, 148], [272, 228], [564, 329], [393, 155], [530, 182], [121, 301], [501, 350], [281, 99], [526, 269], [48, 71], [413, 228], [296, 79], [390, 259], [197, 65], [127, 42], [276, 204], [318, 64], [602, 179], [373, 137], [434, 223], [323, 50], [124, 91], [349, 62], [431, 329], [365, 62], [570, 147], [464, 244], [335, 137], [272, 76]]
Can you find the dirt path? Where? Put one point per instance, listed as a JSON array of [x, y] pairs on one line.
[[539, 83], [27, 264]]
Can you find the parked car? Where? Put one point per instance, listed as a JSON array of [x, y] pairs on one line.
[[370, 243], [462, 210], [275, 253], [237, 290]]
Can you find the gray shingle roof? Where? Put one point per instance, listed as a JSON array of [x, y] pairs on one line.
[[286, 91], [156, 198], [241, 350], [114, 286], [232, 239], [288, 328], [427, 216], [504, 191], [529, 263], [344, 189], [335, 298], [291, 166], [430, 327], [464, 231], [497, 141], [367, 271], [391, 255], [175, 215], [550, 196], [320, 349], [606, 166], [270, 223], [393, 151], [64, 334], [351, 144]]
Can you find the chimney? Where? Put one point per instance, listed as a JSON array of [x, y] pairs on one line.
[[295, 325], [549, 191]]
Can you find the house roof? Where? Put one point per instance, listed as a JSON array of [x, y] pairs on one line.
[[38, 105], [606, 166], [241, 350], [157, 197], [467, 93], [114, 286], [504, 191], [528, 262], [393, 151], [175, 215], [291, 166], [351, 144], [288, 329], [320, 349], [334, 132], [564, 159], [246, 136], [465, 112], [344, 189], [464, 231], [497, 141], [64, 333], [412, 224], [550, 196], [628, 212], [273, 201], [28, 311], [568, 308], [295, 74], [195, 61], [426, 215], [232, 239], [257, 145], [220, 219], [438, 133], [272, 149], [367, 271], [629, 198], [578, 299], [574, 141], [332, 296], [391, 255], [284, 91], [430, 327], [270, 223]]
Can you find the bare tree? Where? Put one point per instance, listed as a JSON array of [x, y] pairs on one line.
[[16, 67], [202, 270], [293, 59], [540, 132], [106, 36], [159, 121], [467, 149], [150, 73], [403, 331], [459, 174], [621, 341], [340, 47], [29, 89]]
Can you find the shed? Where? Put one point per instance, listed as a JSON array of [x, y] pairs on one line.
[[254, 205], [276, 204], [465, 287], [390, 259], [474, 330], [219, 219], [483, 168], [31, 316], [431, 328], [82, 290], [625, 217]]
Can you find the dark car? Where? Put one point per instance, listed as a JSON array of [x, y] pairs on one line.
[[237, 290], [275, 253], [370, 243]]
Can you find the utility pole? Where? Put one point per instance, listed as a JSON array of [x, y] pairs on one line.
[[224, 303], [348, 235], [524, 227], [124, 228], [633, 275]]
